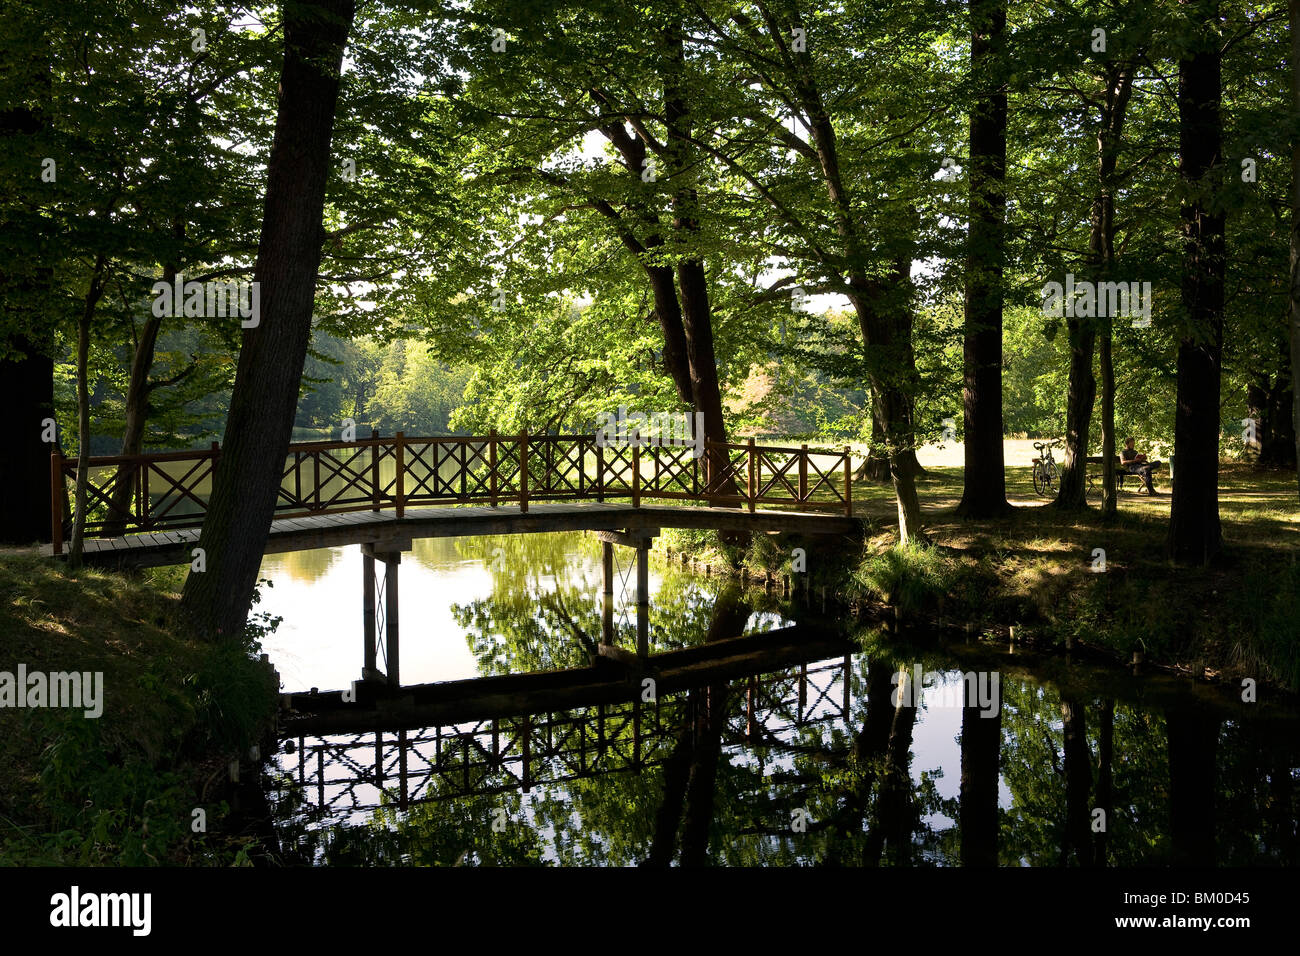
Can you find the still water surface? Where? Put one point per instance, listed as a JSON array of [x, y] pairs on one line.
[[810, 760]]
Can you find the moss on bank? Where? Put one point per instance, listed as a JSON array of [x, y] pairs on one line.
[[121, 789]]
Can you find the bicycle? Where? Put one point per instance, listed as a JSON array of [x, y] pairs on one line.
[[1045, 473]]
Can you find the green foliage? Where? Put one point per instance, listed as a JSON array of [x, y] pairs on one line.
[[119, 790], [911, 576]]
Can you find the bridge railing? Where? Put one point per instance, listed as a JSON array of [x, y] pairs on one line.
[[353, 772], [170, 490]]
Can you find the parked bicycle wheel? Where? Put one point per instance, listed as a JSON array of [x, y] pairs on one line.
[[1042, 479]]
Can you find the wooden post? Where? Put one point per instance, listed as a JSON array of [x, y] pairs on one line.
[[523, 472], [848, 683], [636, 476], [803, 473], [374, 469], [643, 599], [369, 666], [708, 475], [848, 481], [525, 778], [399, 455], [753, 475], [492, 466], [58, 489], [403, 793], [600, 470], [391, 636], [607, 611], [751, 722], [315, 476], [636, 734]]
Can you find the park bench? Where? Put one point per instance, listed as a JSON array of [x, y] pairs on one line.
[[1122, 477]]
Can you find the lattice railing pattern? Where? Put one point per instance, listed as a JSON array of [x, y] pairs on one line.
[[171, 490], [359, 772]]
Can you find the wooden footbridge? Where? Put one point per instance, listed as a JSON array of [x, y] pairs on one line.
[[148, 509], [384, 493]]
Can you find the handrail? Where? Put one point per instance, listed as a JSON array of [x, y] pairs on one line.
[[168, 490]]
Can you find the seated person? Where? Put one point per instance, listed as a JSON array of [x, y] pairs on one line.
[[1136, 463]]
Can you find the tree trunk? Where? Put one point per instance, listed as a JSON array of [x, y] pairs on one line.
[[1077, 839], [985, 490], [81, 493], [692, 282], [869, 746], [1195, 536], [1294, 7], [27, 391], [876, 467], [1080, 394], [1193, 748], [981, 744], [1269, 404], [137, 417], [1105, 779], [1109, 488], [1101, 253], [886, 332], [895, 816], [669, 312], [265, 395], [27, 289]]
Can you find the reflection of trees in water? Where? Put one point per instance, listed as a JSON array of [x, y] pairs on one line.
[[304, 566], [1184, 787], [545, 608]]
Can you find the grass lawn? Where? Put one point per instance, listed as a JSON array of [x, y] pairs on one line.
[[119, 789]]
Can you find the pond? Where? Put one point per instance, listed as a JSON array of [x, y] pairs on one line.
[[815, 742]]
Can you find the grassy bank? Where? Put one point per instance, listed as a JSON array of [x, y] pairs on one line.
[[1037, 568], [121, 789]]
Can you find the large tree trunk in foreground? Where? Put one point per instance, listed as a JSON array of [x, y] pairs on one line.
[[265, 395], [27, 392], [1195, 536], [1295, 232], [985, 489], [27, 289]]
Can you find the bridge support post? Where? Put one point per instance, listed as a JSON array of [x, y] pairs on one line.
[[643, 598], [607, 607], [391, 563], [369, 668], [641, 541], [392, 631]]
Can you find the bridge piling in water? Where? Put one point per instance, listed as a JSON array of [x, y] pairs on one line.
[[607, 604], [391, 630]]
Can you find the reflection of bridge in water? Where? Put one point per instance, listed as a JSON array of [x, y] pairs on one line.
[[400, 768]]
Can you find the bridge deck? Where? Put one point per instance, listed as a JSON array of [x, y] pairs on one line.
[[612, 680], [385, 530]]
